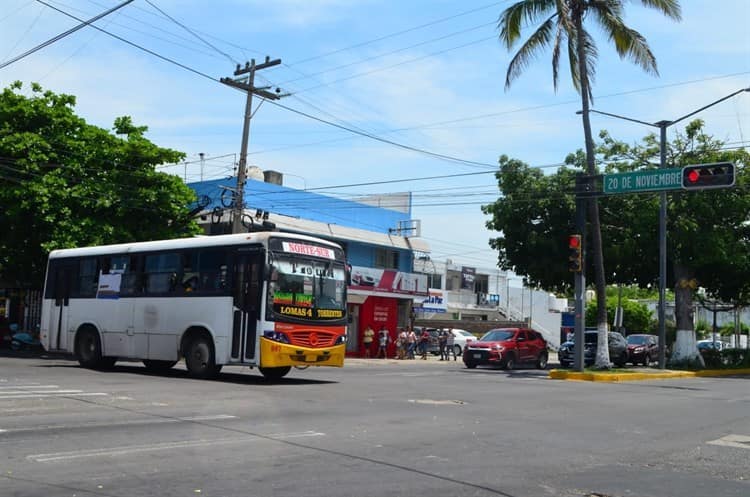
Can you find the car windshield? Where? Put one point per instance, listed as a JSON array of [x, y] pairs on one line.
[[465, 333], [637, 339], [591, 338], [497, 335]]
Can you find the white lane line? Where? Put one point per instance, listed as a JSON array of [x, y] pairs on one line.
[[44, 395], [16, 387], [132, 422], [738, 441], [19, 392], [133, 449], [284, 436]]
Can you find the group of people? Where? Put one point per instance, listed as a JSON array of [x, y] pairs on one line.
[[408, 343]]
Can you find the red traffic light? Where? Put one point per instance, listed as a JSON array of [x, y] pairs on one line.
[[574, 241], [708, 176]]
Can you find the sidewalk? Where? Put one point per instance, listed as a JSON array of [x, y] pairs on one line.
[[431, 359]]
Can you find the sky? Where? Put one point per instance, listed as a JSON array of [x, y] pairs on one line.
[[426, 75]]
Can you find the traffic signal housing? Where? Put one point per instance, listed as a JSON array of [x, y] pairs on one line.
[[708, 176], [575, 253]]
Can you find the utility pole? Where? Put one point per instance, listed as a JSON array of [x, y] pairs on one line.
[[249, 87]]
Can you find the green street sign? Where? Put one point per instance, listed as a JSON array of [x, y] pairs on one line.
[[643, 181]]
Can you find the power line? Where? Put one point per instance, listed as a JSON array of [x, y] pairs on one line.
[[398, 33], [190, 31], [64, 34]]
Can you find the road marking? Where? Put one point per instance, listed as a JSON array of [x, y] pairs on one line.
[[41, 396], [437, 402], [16, 387], [133, 449], [738, 441], [18, 392], [217, 417]]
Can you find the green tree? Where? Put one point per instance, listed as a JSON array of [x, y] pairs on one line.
[[636, 317], [708, 234], [65, 183], [562, 25]]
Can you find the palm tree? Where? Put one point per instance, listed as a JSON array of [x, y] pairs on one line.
[[563, 25]]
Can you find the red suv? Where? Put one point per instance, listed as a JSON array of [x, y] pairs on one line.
[[507, 347]]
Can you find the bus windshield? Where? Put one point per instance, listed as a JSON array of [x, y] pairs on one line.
[[306, 289]]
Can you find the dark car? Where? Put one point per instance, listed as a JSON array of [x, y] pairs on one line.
[[618, 350], [507, 347], [642, 348]]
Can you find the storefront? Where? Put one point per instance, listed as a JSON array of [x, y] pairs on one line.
[[381, 298]]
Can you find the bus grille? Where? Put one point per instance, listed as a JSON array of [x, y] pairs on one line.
[[313, 338]]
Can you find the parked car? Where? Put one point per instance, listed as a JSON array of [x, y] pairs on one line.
[[507, 347], [618, 349], [642, 348], [709, 345], [460, 339]]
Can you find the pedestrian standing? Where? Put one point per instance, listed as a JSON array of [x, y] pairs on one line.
[[383, 339], [450, 344], [424, 341], [401, 344], [411, 343], [442, 340], [369, 335]]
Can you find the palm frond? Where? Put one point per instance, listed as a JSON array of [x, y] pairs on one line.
[[511, 20], [670, 8], [628, 42], [537, 41]]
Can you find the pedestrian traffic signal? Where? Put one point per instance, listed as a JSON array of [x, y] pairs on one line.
[[575, 251], [707, 176]]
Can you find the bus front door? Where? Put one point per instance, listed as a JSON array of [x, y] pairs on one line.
[[247, 291]]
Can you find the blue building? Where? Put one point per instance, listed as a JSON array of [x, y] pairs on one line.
[[377, 232]]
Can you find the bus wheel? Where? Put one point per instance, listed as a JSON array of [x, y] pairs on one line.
[[154, 365], [89, 349], [275, 373], [200, 358]]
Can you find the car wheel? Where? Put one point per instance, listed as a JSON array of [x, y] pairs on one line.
[[509, 363], [470, 365], [541, 363], [457, 350]]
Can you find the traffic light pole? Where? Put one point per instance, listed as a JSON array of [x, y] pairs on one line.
[[663, 125], [579, 279]]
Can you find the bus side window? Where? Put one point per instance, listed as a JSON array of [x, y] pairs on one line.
[[88, 278], [160, 273]]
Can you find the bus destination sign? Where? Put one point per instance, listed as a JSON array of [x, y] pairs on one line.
[[305, 249]]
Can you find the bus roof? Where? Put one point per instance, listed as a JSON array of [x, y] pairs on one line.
[[182, 243]]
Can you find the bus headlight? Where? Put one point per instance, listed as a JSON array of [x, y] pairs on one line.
[[341, 339], [276, 336]]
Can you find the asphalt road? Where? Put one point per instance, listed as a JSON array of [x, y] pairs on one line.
[[374, 428]]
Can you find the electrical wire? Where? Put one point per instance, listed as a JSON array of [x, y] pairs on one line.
[[64, 34]]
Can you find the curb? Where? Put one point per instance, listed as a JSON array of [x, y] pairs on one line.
[[559, 374]]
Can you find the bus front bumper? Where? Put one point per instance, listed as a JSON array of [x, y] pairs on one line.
[[274, 354]]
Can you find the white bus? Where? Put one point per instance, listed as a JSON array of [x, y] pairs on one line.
[[268, 300]]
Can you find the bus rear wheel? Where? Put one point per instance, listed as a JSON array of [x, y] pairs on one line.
[[200, 359], [155, 365], [275, 373]]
